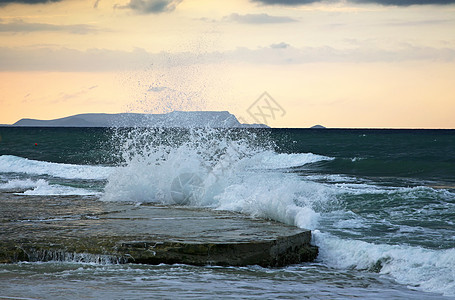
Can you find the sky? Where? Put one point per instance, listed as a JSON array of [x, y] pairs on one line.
[[291, 63]]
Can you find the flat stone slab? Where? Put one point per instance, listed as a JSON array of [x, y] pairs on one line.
[[94, 231]]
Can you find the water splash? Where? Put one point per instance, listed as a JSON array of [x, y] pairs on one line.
[[42, 255], [228, 169]]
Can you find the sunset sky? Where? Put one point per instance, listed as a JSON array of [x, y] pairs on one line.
[[355, 63]]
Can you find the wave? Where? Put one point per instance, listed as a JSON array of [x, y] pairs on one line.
[[272, 160], [213, 169], [415, 192], [15, 164], [238, 175], [417, 267], [419, 168], [208, 168], [236, 185], [42, 187], [16, 184]]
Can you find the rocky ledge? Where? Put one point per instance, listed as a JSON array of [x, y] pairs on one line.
[[125, 233]]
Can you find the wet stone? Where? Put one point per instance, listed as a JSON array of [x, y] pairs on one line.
[[100, 232]]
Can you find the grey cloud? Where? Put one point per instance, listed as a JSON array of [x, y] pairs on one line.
[[427, 22], [286, 2], [94, 60], [19, 26], [67, 60], [151, 6], [259, 19], [6, 2], [63, 96], [281, 45], [380, 2], [292, 55], [141, 6], [406, 2]]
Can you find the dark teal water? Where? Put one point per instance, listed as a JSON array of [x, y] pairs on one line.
[[61, 145], [420, 154], [380, 203], [395, 153]]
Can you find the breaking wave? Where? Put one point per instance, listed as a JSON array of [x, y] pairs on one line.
[[242, 173], [15, 164]]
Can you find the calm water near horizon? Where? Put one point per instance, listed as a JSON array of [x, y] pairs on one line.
[[380, 204]]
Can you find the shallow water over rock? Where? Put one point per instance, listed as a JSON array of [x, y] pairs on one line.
[[95, 231]]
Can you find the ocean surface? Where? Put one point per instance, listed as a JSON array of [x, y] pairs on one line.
[[380, 204]]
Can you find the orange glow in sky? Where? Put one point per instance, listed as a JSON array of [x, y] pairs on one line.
[[339, 64]]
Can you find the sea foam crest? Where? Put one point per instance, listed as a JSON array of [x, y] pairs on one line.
[[15, 164], [218, 169], [15, 184], [214, 170], [42, 187], [425, 269]]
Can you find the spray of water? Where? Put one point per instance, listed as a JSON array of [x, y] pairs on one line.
[[229, 169]]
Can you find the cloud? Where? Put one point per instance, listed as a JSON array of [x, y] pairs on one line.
[[286, 2], [19, 26], [258, 19], [326, 54], [281, 45], [151, 6], [405, 2], [102, 60], [6, 2], [71, 60], [64, 97], [380, 2]]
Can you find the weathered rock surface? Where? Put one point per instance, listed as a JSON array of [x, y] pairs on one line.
[[148, 234]]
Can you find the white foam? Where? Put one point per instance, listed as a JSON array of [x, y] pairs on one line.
[[356, 159], [332, 178], [410, 192], [272, 160], [235, 176], [425, 269], [274, 196], [15, 184], [231, 175], [14, 164], [43, 188]]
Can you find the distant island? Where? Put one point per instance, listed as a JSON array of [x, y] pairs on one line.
[[185, 119], [318, 127]]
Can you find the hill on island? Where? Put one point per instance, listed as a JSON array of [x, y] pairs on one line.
[[317, 127], [190, 119]]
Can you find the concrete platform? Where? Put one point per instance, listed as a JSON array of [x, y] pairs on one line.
[[94, 231]]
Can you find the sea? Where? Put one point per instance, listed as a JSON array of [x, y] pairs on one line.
[[380, 204]]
